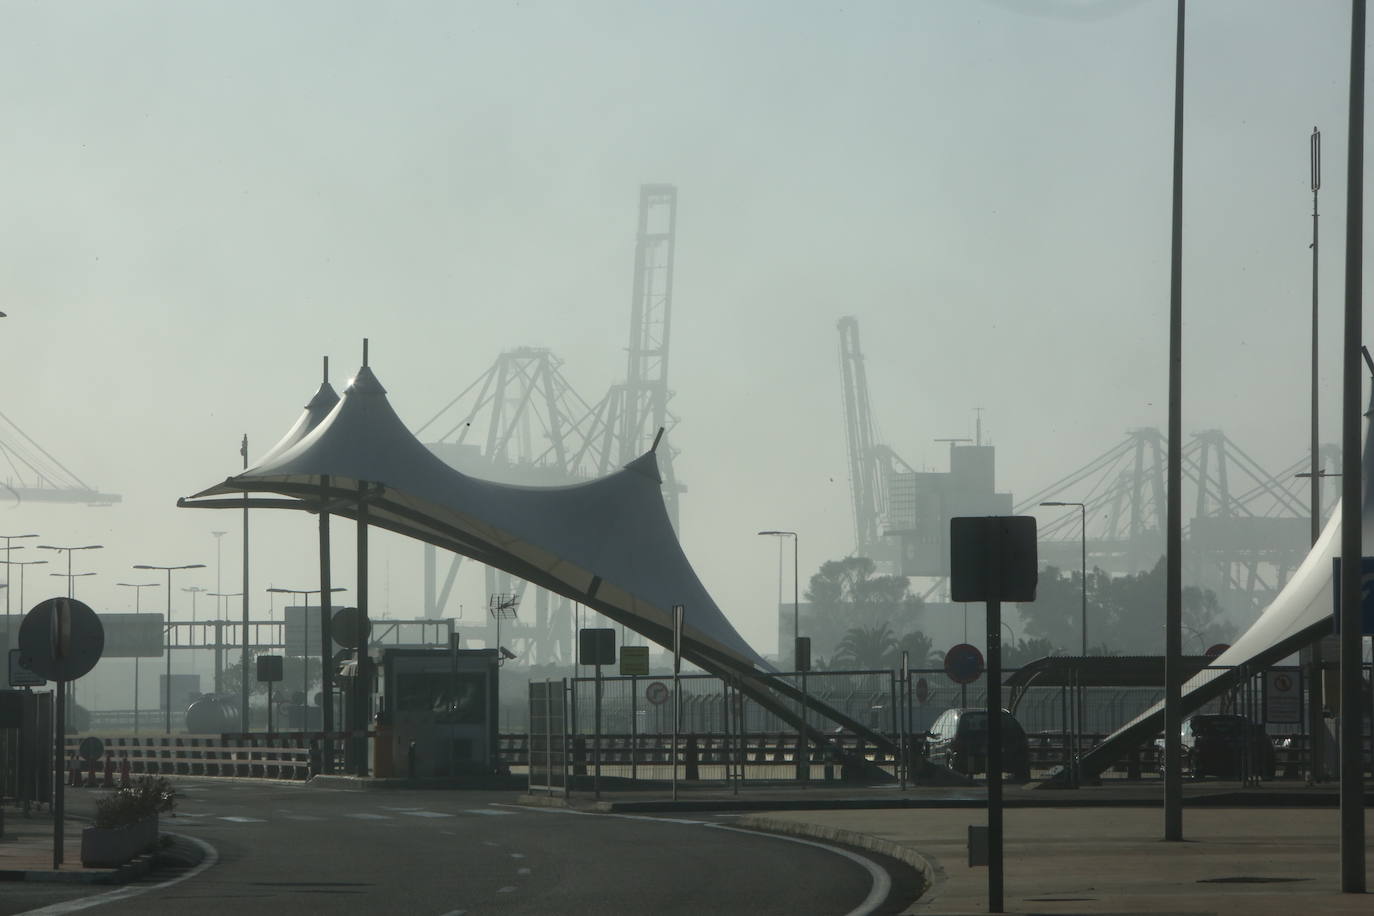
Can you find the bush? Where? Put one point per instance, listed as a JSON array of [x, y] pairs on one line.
[[147, 797]]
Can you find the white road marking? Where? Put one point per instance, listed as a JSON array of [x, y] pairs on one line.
[[426, 814], [522, 871], [302, 817], [508, 889], [370, 817], [486, 811], [244, 820], [453, 913], [131, 890], [517, 855]]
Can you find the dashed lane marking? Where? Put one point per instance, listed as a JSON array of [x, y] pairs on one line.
[[369, 817], [426, 814], [487, 811], [244, 820]]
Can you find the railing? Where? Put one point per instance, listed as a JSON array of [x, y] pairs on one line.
[[258, 756], [775, 754]]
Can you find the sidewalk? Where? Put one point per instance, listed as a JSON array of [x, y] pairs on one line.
[[1247, 852], [26, 852]]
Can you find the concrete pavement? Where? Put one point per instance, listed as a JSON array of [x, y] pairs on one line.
[[1246, 852]]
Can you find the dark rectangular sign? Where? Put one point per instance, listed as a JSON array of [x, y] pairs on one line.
[[992, 558], [596, 646], [269, 668]]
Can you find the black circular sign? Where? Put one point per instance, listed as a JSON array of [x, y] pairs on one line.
[[61, 639], [343, 627], [91, 748], [964, 663]]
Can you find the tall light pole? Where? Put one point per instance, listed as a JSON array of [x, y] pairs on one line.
[[195, 590], [1083, 523], [305, 644], [220, 621], [69, 576], [69, 551], [21, 564], [796, 600], [219, 569], [9, 538], [138, 588], [167, 688]]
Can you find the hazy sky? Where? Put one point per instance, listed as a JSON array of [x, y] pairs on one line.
[[200, 200]]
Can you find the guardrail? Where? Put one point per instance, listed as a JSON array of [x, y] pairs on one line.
[[291, 756]]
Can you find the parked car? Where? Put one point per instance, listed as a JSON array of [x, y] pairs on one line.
[[1213, 744], [958, 739]]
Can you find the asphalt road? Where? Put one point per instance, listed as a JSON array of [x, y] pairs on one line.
[[286, 848]]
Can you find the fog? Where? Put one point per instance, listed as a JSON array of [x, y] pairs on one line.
[[200, 202]]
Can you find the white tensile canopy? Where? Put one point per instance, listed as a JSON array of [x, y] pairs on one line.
[[607, 543], [1298, 616]]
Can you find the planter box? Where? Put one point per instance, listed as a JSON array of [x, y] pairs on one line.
[[110, 847]]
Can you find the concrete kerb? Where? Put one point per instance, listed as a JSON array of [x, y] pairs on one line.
[[929, 874]]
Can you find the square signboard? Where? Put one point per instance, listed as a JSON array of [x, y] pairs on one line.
[[992, 558]]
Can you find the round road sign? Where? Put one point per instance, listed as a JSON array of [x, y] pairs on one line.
[[656, 693], [922, 691], [343, 627], [91, 748], [964, 663], [60, 639]]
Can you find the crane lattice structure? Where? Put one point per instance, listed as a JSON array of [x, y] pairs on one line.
[[871, 464], [630, 416], [519, 422], [1249, 529], [34, 475], [522, 422]]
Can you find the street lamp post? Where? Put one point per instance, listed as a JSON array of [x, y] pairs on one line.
[[69, 551], [796, 601], [138, 588], [305, 645], [21, 564], [796, 633], [220, 621], [167, 688], [1083, 523], [8, 539]]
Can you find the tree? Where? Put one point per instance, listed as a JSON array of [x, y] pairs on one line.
[[1026, 651], [1125, 613], [920, 650], [290, 684], [866, 647], [847, 594]]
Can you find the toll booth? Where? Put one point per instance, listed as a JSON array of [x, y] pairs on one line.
[[438, 716]]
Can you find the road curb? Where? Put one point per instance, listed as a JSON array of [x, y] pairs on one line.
[[810, 831]]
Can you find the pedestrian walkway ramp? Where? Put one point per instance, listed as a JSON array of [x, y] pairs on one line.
[[1298, 616], [607, 543]]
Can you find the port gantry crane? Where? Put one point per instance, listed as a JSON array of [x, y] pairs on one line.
[[522, 422]]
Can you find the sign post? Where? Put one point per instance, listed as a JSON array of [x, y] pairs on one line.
[[993, 559], [60, 640], [679, 613], [596, 647]]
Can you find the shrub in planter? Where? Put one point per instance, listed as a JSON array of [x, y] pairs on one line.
[[126, 823], [148, 797]]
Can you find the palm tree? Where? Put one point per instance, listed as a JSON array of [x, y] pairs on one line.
[[866, 647], [920, 650]]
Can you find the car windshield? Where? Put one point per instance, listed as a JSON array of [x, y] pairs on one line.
[[978, 721]]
